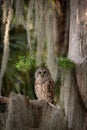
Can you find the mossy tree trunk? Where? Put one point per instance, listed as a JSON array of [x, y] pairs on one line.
[[74, 83]]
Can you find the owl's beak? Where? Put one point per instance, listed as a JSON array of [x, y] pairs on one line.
[[42, 75]]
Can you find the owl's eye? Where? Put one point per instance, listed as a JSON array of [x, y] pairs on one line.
[[39, 72], [44, 72]]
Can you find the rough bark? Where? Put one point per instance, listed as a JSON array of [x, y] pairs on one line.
[[18, 113], [71, 102], [74, 83]]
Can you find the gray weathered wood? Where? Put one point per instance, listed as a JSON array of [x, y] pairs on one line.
[[18, 113]]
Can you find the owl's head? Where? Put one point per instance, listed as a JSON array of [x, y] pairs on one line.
[[42, 72]]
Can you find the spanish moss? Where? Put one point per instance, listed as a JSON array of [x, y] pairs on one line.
[[20, 12]]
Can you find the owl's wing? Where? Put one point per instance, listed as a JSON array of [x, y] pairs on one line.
[[51, 89]]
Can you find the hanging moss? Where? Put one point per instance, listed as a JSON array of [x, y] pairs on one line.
[[19, 15], [65, 63]]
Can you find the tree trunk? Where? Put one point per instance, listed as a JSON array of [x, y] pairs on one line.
[[0, 23], [7, 17], [18, 113], [74, 83]]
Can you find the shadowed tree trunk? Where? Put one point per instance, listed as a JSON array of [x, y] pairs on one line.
[[74, 83]]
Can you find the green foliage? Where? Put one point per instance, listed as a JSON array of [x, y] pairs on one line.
[[49, 1], [65, 63], [26, 63]]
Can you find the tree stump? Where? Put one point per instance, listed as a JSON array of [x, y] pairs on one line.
[[18, 113]]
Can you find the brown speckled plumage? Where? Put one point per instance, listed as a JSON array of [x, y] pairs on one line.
[[44, 85]]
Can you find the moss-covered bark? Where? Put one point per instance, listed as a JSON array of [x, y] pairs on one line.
[[74, 83]]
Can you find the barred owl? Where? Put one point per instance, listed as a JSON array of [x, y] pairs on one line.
[[44, 85]]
